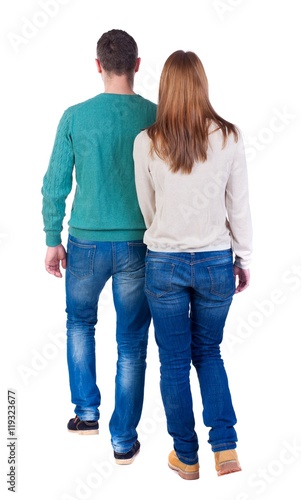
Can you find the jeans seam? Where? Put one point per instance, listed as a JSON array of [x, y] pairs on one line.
[[113, 258], [192, 276]]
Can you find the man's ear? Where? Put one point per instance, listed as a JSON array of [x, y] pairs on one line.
[[137, 64], [98, 66]]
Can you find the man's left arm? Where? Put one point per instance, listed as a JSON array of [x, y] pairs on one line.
[[57, 183]]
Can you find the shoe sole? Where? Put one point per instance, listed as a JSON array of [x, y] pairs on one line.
[[127, 461], [85, 433], [185, 475], [228, 468]]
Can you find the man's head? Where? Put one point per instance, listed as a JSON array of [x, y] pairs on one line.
[[117, 53]]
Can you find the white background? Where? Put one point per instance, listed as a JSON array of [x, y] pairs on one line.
[[250, 50]]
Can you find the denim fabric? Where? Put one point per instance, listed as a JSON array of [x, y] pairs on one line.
[[90, 265], [189, 296]]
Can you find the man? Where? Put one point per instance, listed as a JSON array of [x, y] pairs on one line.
[[105, 239]]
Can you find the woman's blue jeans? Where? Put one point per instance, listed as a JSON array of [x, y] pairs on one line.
[[90, 264], [189, 296]]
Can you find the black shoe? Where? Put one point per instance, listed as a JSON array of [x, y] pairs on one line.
[[83, 426], [127, 458]]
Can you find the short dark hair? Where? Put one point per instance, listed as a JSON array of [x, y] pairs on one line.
[[117, 52]]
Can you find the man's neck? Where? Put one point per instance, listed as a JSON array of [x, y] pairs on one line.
[[118, 85]]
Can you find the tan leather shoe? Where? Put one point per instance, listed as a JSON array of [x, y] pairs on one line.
[[185, 471], [226, 462]]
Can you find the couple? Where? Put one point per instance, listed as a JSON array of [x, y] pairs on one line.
[[161, 207]]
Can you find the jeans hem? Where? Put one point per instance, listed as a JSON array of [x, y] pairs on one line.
[[87, 416], [123, 451], [223, 447], [186, 460]]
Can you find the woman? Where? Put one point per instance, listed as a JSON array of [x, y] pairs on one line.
[[192, 187]]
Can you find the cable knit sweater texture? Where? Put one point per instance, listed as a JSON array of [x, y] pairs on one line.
[[205, 210], [94, 144]]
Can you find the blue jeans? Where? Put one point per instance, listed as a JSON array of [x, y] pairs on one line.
[[189, 296], [90, 264]]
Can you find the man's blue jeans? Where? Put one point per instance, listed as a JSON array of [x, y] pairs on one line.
[[90, 265], [189, 296]]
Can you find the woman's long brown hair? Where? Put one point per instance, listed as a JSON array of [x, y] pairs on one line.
[[180, 134]]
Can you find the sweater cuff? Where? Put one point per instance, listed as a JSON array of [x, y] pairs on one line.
[[243, 264], [53, 239]]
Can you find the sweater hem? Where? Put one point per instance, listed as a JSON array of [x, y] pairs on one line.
[[107, 235], [177, 248]]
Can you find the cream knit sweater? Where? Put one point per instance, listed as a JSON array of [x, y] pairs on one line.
[[205, 210]]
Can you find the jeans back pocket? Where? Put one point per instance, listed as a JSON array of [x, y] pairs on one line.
[[80, 259], [158, 278], [222, 280]]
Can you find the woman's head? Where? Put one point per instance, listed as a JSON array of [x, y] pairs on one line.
[[180, 134], [183, 83]]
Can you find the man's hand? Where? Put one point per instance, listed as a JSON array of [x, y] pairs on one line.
[[243, 278], [54, 257]]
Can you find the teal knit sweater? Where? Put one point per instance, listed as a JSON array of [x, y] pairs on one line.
[[94, 145]]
